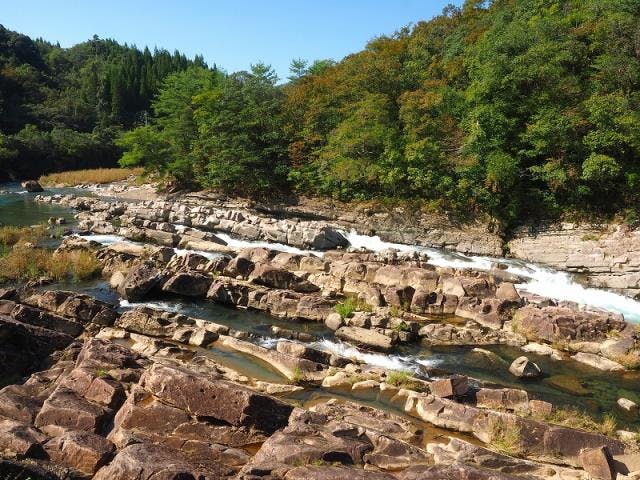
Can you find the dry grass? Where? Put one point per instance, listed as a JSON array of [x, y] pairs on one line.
[[23, 263], [505, 438], [10, 236], [579, 419], [630, 360], [92, 176]]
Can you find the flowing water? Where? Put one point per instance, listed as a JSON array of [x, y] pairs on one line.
[[565, 382]]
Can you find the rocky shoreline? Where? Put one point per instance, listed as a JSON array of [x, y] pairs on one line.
[[112, 393], [604, 255]]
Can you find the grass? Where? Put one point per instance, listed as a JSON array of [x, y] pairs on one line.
[[505, 438], [10, 236], [575, 418], [23, 263], [630, 360], [402, 379], [298, 376], [102, 373], [90, 176], [349, 306]]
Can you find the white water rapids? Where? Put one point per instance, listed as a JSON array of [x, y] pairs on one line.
[[540, 280]]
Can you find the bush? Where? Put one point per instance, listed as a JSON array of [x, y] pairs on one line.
[[349, 306]]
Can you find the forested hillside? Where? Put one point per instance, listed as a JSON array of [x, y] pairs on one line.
[[63, 108], [518, 109]]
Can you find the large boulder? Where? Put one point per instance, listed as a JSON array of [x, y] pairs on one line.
[[205, 397], [327, 238], [139, 282], [32, 186], [366, 338], [190, 284], [20, 440], [156, 462], [522, 367], [277, 277], [83, 451]]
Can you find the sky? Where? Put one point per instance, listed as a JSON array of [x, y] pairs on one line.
[[231, 34]]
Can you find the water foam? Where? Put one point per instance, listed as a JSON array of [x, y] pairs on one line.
[[238, 244], [388, 362], [159, 305], [540, 280]]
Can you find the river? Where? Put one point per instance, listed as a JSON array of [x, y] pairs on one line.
[[565, 382]]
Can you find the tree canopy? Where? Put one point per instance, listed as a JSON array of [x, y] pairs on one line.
[[517, 109]]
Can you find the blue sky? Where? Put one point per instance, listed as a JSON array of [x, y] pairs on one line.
[[233, 34]]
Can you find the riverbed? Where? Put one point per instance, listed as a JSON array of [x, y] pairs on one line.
[[564, 383]]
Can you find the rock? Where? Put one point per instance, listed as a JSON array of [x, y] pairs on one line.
[[365, 337], [339, 380], [146, 462], [553, 323], [567, 384], [540, 408], [598, 463], [328, 472], [139, 281], [522, 367], [628, 406], [328, 239], [116, 279], [83, 451], [65, 408], [454, 386], [277, 277], [507, 291], [32, 186], [596, 361], [20, 440], [189, 284], [365, 385], [334, 321], [219, 399], [503, 399], [238, 267]]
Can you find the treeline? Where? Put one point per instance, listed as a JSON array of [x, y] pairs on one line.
[[516, 108], [62, 108]]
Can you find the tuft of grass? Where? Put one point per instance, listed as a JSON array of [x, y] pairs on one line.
[[89, 176], [24, 264], [102, 373], [298, 376], [349, 306], [505, 438], [630, 360], [575, 418]]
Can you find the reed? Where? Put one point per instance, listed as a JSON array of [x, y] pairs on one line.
[[90, 176]]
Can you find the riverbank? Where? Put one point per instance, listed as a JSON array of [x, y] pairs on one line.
[[602, 255]]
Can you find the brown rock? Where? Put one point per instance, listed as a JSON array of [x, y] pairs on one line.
[[598, 463], [189, 284], [365, 337], [238, 267], [66, 408], [139, 281], [83, 451], [20, 440], [278, 277], [454, 386], [204, 397]]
